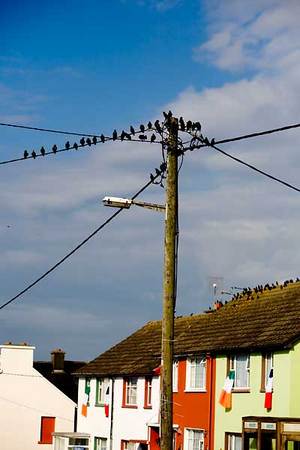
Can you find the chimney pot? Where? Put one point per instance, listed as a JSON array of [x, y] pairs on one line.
[[58, 360]]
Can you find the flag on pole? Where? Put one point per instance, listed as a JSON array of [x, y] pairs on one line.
[[106, 402], [269, 391], [225, 396], [86, 398]]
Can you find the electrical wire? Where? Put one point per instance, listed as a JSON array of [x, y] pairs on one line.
[[246, 136], [75, 249], [255, 168], [48, 130], [72, 147]]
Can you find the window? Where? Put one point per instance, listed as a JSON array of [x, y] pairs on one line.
[[78, 443], [47, 428], [175, 376], [267, 366], [233, 441], [148, 393], [196, 374], [100, 443], [240, 364], [102, 391], [130, 392], [193, 439]]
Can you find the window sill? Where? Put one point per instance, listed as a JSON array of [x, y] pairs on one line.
[[203, 391], [147, 406], [241, 391], [130, 406]]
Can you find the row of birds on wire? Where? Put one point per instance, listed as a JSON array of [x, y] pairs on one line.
[[140, 134]]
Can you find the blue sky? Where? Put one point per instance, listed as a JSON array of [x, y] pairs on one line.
[[94, 66]]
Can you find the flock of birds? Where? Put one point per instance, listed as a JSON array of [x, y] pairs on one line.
[[156, 127]]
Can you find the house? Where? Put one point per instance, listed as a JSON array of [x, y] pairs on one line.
[[254, 335], [31, 407], [60, 372]]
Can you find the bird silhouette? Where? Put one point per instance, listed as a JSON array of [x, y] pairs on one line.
[[102, 138], [157, 126], [115, 135], [67, 145], [123, 135], [149, 124], [26, 154], [89, 142], [142, 137], [33, 154], [189, 125], [43, 151], [181, 124], [75, 145], [94, 140], [132, 130], [54, 148], [82, 141], [153, 137], [142, 128]]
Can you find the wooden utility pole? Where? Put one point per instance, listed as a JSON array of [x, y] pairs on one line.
[[169, 288]]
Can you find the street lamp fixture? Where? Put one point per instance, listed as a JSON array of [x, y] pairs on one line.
[[125, 203]]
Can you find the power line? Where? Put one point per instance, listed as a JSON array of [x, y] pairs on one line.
[[82, 243], [245, 136], [255, 168], [48, 130]]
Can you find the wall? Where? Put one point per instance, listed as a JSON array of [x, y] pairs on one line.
[[286, 393], [129, 423], [193, 409], [25, 396]]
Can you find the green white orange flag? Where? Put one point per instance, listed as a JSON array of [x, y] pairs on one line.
[[225, 396], [86, 399]]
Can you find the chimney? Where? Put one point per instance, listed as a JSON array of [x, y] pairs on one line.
[[58, 360]]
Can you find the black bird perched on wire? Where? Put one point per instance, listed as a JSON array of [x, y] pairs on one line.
[[67, 145], [142, 128], [82, 141], [197, 126], [123, 135], [115, 135], [26, 154], [189, 125], [149, 125], [54, 148], [43, 151], [102, 138], [75, 145], [181, 124], [89, 142], [153, 137], [157, 126], [132, 130], [142, 137], [33, 154], [94, 140]]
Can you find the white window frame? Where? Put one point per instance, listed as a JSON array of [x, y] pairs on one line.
[[101, 441], [102, 384], [175, 375], [233, 366], [192, 364], [231, 441], [269, 364], [148, 392], [131, 391], [71, 446], [188, 443]]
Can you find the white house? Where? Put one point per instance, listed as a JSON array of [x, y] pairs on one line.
[[31, 408], [118, 399]]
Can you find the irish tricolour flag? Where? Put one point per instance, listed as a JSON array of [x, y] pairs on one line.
[[225, 396], [86, 399], [269, 391]]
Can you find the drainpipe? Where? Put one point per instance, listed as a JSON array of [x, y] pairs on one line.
[[111, 415]]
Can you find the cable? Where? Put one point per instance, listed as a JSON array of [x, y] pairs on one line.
[[256, 169], [81, 244], [47, 130], [246, 136]]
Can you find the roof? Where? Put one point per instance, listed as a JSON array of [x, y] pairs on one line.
[[260, 319], [64, 381]]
